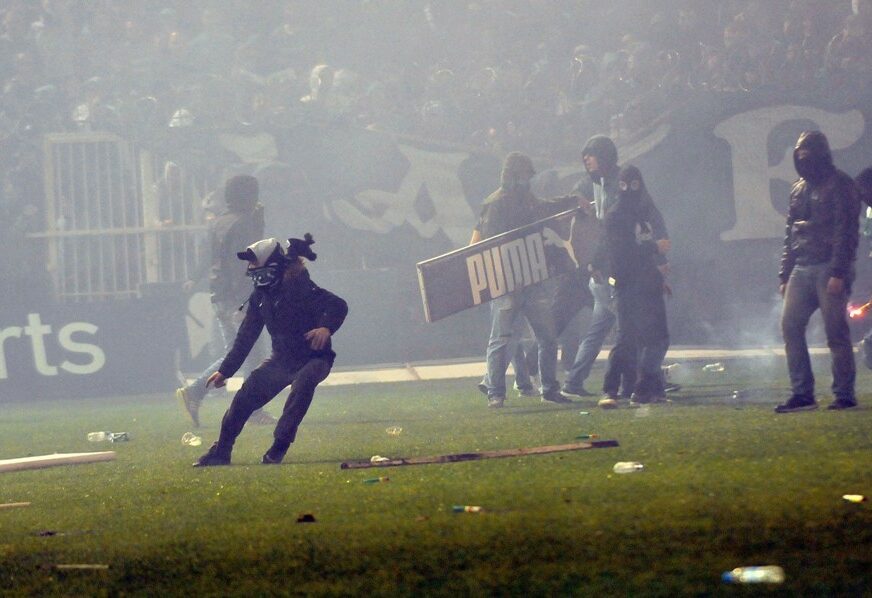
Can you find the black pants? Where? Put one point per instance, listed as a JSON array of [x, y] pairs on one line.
[[261, 386], [642, 330]]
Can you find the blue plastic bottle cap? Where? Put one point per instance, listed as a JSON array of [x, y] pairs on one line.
[[727, 577]]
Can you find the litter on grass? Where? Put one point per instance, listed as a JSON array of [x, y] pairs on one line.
[[378, 459], [14, 505], [394, 431], [854, 498], [467, 509], [376, 480], [82, 567], [191, 439], [306, 518]]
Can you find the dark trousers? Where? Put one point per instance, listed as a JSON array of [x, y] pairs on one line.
[[642, 333], [261, 386]]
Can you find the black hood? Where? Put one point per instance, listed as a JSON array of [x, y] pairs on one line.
[[517, 172], [818, 165], [605, 152], [631, 178]]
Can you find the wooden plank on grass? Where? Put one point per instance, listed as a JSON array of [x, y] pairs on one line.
[[458, 457], [56, 459]]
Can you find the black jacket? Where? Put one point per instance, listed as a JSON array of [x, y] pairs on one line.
[[823, 217], [627, 250], [288, 312]]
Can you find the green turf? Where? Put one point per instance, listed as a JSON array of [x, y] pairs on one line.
[[726, 483]]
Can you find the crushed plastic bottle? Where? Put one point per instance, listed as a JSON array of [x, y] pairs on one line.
[[765, 574], [110, 436], [376, 480], [191, 439], [378, 459], [714, 367], [627, 467]]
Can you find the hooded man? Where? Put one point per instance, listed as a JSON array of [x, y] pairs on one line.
[[600, 188], [301, 318], [511, 206], [628, 254], [241, 223], [817, 269]]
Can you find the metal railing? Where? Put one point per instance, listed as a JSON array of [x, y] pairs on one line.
[[112, 222]]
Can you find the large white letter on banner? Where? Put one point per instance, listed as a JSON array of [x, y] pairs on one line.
[[748, 136], [477, 276]]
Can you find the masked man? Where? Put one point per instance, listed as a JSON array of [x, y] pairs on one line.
[[511, 206], [301, 318], [817, 269]]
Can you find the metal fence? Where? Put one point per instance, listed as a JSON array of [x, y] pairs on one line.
[[117, 217]]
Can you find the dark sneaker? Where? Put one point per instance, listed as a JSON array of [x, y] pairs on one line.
[[840, 404], [212, 458], [191, 401], [671, 387], [609, 401], [276, 453], [262, 418], [556, 399], [527, 391], [797, 403], [575, 392], [496, 402], [482, 388], [640, 399]]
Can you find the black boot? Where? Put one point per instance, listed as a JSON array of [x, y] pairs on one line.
[[276, 452], [214, 456]]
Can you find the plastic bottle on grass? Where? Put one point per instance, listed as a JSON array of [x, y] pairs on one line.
[[110, 436], [765, 574], [714, 367], [627, 467]]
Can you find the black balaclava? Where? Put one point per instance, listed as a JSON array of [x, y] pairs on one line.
[[818, 165], [606, 154], [631, 187], [517, 172], [241, 193]]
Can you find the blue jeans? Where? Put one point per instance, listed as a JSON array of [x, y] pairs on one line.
[[224, 313], [805, 293], [524, 345], [534, 304], [601, 322]]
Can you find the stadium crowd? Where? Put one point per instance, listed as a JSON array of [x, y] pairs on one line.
[[527, 75]]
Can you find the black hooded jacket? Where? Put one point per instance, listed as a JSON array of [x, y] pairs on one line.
[[288, 312], [823, 217]]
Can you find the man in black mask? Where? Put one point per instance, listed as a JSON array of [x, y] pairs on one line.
[[301, 318], [628, 253], [817, 269]]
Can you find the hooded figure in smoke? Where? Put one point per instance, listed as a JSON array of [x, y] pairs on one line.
[[240, 223], [511, 206], [301, 318], [628, 254], [817, 269], [601, 189]]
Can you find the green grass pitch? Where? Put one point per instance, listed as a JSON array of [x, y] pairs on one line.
[[726, 483]]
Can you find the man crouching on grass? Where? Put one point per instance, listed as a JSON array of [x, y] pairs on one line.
[[300, 317]]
